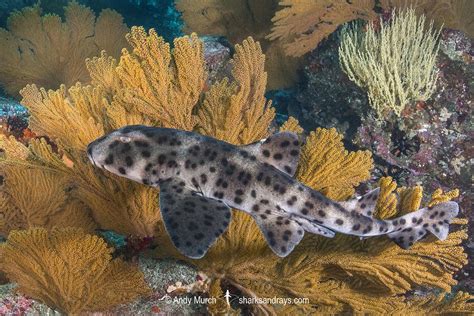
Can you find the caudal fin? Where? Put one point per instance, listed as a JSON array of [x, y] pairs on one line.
[[434, 219]]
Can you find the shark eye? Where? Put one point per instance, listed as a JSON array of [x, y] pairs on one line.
[[125, 139]]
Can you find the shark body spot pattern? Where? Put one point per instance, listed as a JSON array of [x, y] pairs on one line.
[[201, 179]]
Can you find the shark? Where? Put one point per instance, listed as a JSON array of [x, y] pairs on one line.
[[201, 179]]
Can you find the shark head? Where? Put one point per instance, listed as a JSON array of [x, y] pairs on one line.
[[127, 152]]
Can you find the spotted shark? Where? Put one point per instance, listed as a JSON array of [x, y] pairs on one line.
[[201, 179]]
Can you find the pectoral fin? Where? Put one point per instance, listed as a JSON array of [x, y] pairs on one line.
[[193, 222]]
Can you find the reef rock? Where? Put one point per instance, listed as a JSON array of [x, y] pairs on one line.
[[217, 54], [432, 141], [327, 98], [13, 117], [176, 287]]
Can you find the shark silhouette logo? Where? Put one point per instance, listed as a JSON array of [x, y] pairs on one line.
[[168, 299], [227, 297]]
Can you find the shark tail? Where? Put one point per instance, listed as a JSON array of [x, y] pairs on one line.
[[414, 226]]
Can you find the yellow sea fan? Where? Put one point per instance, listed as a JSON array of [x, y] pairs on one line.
[[69, 270], [439, 197], [57, 113], [454, 14], [302, 24], [327, 167], [292, 125], [13, 148], [238, 112], [25, 205], [48, 52], [159, 84], [36, 189], [236, 20]]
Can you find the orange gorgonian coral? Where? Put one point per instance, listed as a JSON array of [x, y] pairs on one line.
[[302, 24], [69, 270], [236, 20], [49, 52]]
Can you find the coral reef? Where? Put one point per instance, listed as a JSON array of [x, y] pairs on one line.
[[152, 84], [301, 25], [395, 64], [434, 138], [69, 270], [49, 52], [430, 143], [236, 20]]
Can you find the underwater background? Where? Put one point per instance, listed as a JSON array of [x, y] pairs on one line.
[[393, 112]]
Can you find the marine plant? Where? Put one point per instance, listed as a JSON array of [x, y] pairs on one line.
[[69, 270], [336, 275], [48, 51], [395, 64]]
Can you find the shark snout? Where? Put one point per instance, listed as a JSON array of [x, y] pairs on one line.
[[89, 153], [93, 151]]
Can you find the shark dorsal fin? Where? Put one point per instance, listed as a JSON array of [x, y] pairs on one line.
[[281, 150]]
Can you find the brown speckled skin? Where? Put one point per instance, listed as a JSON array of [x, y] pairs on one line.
[[202, 177]]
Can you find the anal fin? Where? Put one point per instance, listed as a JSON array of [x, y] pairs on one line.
[[405, 238]]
